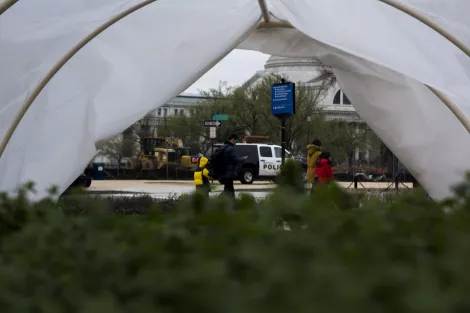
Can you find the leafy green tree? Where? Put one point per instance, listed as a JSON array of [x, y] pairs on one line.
[[307, 107], [342, 138], [251, 109], [375, 145], [117, 149], [145, 127]]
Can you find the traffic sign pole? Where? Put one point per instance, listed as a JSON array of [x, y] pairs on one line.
[[212, 132], [283, 140], [212, 136], [283, 107]]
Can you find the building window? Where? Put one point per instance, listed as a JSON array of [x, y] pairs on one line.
[[341, 98], [159, 112], [182, 112], [176, 111], [337, 99], [165, 112]]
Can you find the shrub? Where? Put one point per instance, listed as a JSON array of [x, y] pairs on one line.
[[198, 255]]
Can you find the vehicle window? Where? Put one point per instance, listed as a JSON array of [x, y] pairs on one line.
[[278, 152], [245, 150], [212, 149], [266, 152]]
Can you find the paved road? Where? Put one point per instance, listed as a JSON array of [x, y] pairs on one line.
[[167, 189]]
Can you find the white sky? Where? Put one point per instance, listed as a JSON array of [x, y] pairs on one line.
[[235, 69]]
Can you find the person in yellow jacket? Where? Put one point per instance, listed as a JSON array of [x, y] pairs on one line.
[[313, 152], [201, 176]]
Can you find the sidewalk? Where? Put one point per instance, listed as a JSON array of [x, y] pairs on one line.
[[123, 185]]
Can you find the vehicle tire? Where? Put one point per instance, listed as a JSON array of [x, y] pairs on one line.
[[87, 182], [247, 176]]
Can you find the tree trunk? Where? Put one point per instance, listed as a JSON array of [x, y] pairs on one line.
[[385, 155], [350, 165], [392, 165], [351, 161], [119, 165]]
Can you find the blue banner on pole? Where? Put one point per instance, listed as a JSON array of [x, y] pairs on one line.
[[283, 99]]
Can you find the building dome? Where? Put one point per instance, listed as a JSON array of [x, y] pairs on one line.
[[276, 62], [299, 70]]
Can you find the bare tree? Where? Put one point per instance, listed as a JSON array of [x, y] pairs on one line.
[[116, 149], [252, 110], [326, 75], [145, 127]]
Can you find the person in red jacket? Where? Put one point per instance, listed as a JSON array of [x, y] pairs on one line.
[[323, 169]]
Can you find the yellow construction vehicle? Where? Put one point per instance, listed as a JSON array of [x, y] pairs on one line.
[[158, 152]]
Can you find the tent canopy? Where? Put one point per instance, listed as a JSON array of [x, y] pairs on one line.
[[150, 51]]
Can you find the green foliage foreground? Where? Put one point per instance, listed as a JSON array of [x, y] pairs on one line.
[[83, 255]]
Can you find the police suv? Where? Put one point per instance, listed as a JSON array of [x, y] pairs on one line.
[[263, 161]]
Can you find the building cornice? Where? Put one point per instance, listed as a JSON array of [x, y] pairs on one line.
[[275, 61], [291, 64], [339, 112]]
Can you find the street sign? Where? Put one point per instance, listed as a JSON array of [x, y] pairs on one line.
[[220, 117], [283, 99], [213, 133], [211, 123]]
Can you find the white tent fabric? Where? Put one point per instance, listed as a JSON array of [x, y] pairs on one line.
[[386, 37], [410, 120], [133, 67], [381, 56], [34, 35], [451, 15]]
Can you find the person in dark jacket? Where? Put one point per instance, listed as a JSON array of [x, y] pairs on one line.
[[323, 169], [231, 163], [201, 176]]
